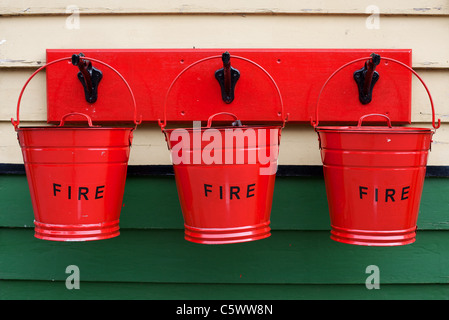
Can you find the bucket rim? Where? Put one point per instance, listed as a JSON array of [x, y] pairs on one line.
[[374, 129]]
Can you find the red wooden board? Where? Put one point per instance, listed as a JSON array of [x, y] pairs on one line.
[[299, 74]]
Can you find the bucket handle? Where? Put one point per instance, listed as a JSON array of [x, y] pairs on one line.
[[236, 120], [374, 114], [314, 123], [89, 120], [16, 123], [163, 123]]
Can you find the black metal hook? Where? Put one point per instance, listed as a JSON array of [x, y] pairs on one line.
[[89, 76], [227, 78], [366, 78]]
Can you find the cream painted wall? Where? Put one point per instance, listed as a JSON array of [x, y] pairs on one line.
[[28, 28]]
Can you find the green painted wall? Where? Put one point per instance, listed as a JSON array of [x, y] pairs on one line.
[[151, 259]]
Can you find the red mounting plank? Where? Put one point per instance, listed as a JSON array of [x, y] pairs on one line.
[[298, 73]]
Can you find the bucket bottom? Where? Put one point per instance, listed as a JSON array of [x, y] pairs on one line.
[[374, 237], [77, 232], [227, 235]]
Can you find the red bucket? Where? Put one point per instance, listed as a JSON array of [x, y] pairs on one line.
[[374, 176], [76, 175], [225, 177]]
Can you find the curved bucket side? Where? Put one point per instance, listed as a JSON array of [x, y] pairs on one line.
[[374, 194], [76, 179], [225, 190]]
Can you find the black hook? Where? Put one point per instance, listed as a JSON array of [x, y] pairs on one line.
[[227, 78], [89, 76], [366, 78]]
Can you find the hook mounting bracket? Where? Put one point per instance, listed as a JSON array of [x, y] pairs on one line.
[[227, 77], [366, 78], [89, 77]]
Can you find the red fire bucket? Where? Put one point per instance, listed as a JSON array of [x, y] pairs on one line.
[[374, 176], [76, 174], [224, 176]]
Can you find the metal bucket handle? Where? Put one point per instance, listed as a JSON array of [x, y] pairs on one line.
[[163, 123], [435, 126], [17, 122], [89, 120], [372, 115], [236, 120]]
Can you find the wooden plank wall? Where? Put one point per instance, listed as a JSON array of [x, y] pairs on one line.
[[150, 259], [28, 28]]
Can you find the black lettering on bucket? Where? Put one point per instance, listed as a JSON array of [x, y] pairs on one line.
[[236, 193], [83, 192], [99, 190], [206, 190], [361, 191], [231, 192], [55, 189], [249, 189], [403, 197], [389, 194]]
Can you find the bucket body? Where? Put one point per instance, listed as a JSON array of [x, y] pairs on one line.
[[76, 178], [225, 180], [374, 178]]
